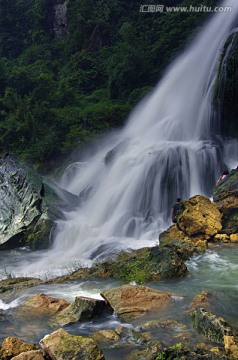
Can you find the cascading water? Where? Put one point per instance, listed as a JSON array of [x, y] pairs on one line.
[[166, 150]]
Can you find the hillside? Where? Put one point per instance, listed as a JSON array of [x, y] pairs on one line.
[[69, 72]]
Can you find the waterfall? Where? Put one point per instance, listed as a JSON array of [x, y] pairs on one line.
[[166, 150]]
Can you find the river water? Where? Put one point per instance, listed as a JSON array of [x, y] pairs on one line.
[[216, 271]]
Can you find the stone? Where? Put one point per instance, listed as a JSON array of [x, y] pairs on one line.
[[105, 335], [171, 234], [20, 201], [130, 301], [231, 347], [234, 237], [29, 205], [200, 219], [222, 238], [225, 195], [163, 323], [212, 326], [82, 309], [13, 286], [203, 300], [60, 345], [30, 355], [60, 21], [45, 304], [13, 346]]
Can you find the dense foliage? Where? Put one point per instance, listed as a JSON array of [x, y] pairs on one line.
[[58, 92]]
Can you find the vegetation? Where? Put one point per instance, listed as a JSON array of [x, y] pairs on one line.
[[59, 92]]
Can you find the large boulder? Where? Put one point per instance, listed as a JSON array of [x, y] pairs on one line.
[[200, 218], [29, 205], [130, 301], [20, 201], [13, 346], [60, 345], [212, 326], [225, 195], [44, 304], [82, 309]]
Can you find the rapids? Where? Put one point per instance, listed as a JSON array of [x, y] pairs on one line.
[[167, 149]]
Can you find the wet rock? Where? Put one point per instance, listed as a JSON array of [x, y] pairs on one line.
[[13, 286], [171, 234], [234, 237], [105, 335], [30, 355], [211, 326], [60, 345], [42, 303], [200, 219], [20, 200], [143, 265], [82, 309], [225, 196], [163, 323], [130, 301], [231, 347], [13, 346], [204, 300], [29, 205], [222, 238], [118, 149]]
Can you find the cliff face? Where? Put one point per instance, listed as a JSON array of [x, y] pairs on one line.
[[60, 20], [226, 90], [29, 205]]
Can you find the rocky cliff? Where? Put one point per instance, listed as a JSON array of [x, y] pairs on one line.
[[29, 205]]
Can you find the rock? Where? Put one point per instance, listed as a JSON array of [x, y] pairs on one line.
[[20, 201], [234, 237], [130, 301], [145, 265], [105, 335], [45, 304], [13, 286], [82, 309], [163, 323], [231, 347], [30, 355], [200, 218], [60, 22], [222, 238], [211, 326], [225, 195], [29, 205], [60, 345], [13, 346], [117, 150], [171, 234], [203, 300]]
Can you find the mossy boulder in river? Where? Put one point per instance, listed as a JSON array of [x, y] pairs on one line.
[[61, 345], [143, 265], [13, 346], [82, 309]]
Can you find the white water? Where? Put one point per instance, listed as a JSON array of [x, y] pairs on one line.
[[166, 150]]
